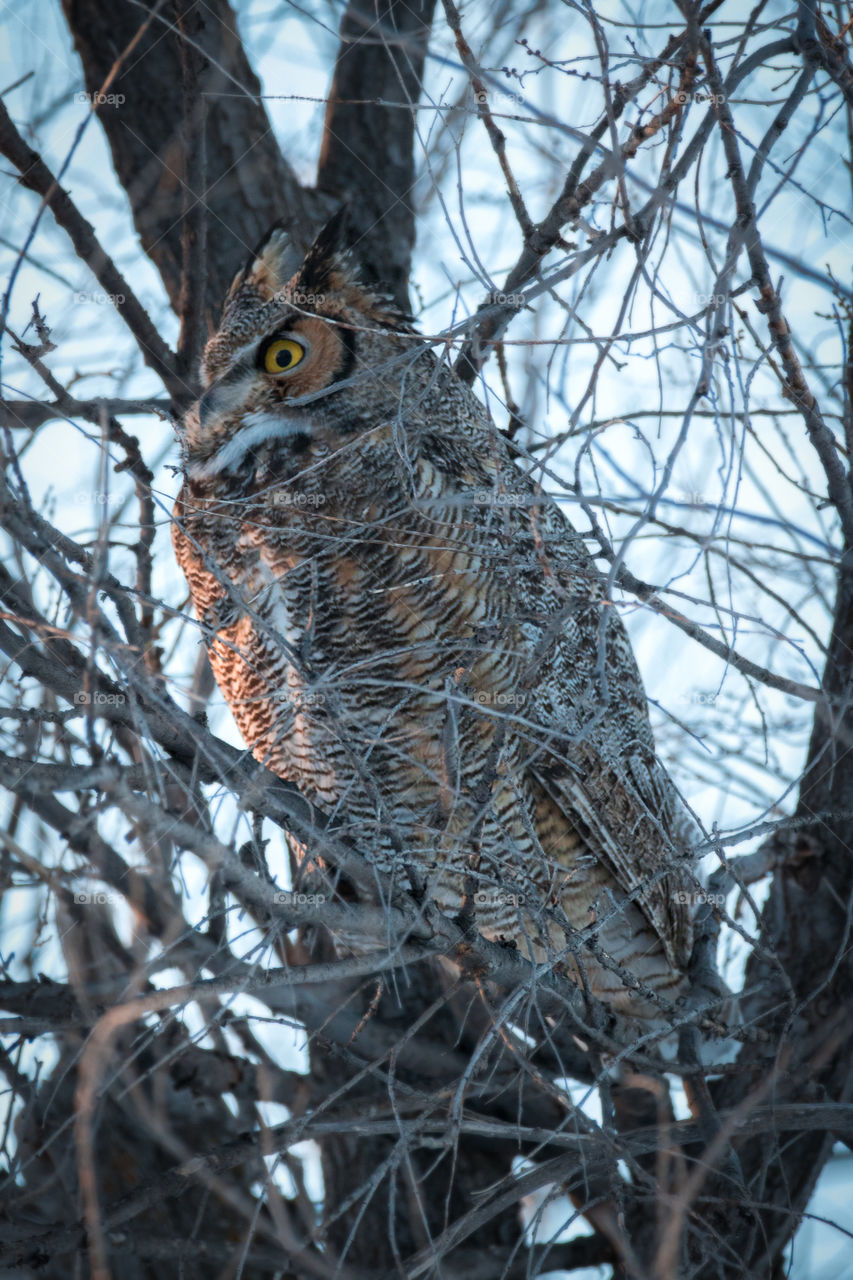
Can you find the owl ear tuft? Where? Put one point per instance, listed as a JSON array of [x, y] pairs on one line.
[[270, 265], [327, 259], [332, 273]]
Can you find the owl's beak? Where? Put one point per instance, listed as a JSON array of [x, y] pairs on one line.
[[209, 408], [204, 411], [223, 398]]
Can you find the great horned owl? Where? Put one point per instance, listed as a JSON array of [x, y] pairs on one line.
[[406, 626]]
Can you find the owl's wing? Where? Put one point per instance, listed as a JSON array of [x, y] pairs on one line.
[[629, 824], [602, 770]]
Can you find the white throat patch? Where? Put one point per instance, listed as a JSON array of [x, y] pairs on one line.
[[257, 429]]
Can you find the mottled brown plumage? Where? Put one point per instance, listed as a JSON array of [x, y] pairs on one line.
[[404, 625]]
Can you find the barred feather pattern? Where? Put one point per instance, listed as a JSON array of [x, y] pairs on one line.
[[404, 624]]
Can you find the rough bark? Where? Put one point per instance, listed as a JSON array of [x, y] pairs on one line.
[[805, 927], [427, 1182], [367, 155], [248, 184]]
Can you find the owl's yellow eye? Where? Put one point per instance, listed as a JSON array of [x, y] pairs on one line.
[[280, 355]]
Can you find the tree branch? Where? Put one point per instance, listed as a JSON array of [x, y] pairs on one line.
[[35, 176], [381, 56]]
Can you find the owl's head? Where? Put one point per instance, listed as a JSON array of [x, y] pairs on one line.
[[299, 355]]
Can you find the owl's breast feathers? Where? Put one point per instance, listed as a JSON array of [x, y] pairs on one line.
[[406, 626]]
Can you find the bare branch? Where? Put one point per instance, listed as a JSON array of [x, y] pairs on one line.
[[35, 176]]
